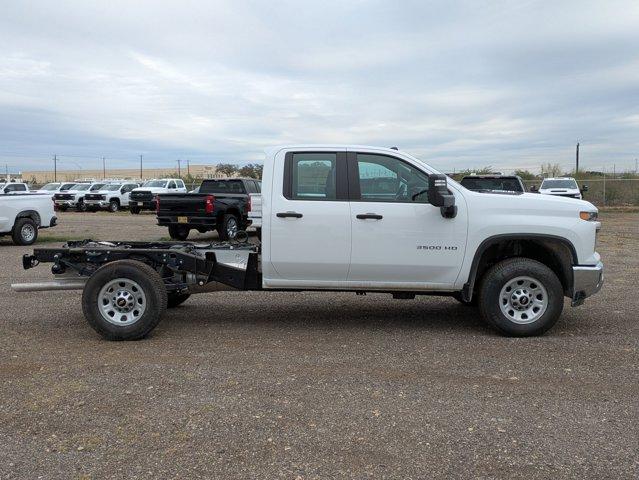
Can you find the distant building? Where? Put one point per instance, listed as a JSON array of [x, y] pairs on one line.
[[45, 176]]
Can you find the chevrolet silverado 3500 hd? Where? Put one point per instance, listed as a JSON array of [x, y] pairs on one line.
[[358, 219]]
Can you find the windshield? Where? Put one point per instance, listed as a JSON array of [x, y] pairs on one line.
[[49, 187], [112, 188], [80, 187], [503, 184], [559, 184], [97, 186], [222, 186], [155, 183], [67, 186]]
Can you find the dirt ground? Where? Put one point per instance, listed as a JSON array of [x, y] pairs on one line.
[[317, 385]]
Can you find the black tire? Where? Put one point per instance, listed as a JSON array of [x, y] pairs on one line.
[[134, 210], [25, 232], [62, 208], [176, 299], [81, 206], [258, 232], [223, 230], [179, 232], [497, 278], [114, 205], [152, 287], [473, 302]]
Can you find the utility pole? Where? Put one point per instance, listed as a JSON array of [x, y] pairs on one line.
[[103, 169], [141, 177], [179, 167], [577, 159], [188, 167], [55, 168]]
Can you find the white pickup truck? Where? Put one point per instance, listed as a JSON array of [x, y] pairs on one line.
[[143, 198], [357, 219], [112, 196], [22, 214]]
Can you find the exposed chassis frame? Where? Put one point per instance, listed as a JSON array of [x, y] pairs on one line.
[[168, 258]]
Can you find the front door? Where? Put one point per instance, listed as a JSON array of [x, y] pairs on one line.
[[399, 239], [310, 226]]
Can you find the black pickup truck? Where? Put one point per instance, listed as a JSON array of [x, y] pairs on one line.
[[221, 204]]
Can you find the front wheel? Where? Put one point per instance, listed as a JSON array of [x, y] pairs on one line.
[[134, 210], [179, 232], [114, 206], [81, 206], [124, 300], [521, 297]]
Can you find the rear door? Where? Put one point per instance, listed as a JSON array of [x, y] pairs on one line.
[[310, 227], [399, 239]]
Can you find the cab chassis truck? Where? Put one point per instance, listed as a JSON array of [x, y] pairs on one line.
[[358, 219]]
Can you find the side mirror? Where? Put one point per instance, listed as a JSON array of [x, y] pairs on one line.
[[439, 196], [534, 188], [584, 188]]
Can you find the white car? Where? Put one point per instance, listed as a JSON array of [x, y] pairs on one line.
[[13, 187], [143, 198], [356, 219], [54, 187], [112, 197], [74, 196], [21, 216], [562, 187]]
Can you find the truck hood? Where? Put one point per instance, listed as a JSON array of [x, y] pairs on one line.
[[150, 189], [535, 201], [558, 191]]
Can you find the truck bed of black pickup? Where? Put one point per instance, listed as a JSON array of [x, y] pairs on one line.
[[221, 205]]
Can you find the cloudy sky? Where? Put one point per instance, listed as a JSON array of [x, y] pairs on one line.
[[459, 84]]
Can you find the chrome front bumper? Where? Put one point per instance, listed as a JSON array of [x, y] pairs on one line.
[[587, 280]]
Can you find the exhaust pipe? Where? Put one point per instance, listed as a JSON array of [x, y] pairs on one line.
[[62, 284]]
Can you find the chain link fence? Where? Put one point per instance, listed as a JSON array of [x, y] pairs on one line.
[[606, 192]]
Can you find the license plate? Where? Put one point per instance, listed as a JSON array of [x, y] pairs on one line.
[[183, 219], [140, 204]]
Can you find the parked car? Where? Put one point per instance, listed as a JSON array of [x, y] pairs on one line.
[[53, 188], [21, 215], [516, 260], [143, 198], [562, 187], [112, 197], [220, 204], [74, 196], [493, 183], [13, 187]]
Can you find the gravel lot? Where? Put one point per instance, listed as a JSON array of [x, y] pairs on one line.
[[311, 385]]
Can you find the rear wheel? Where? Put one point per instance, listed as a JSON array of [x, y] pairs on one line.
[[229, 228], [81, 206], [25, 231], [62, 208], [124, 300], [179, 232], [521, 297], [134, 210], [114, 206], [176, 299]]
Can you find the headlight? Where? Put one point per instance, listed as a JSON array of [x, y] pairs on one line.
[[588, 216]]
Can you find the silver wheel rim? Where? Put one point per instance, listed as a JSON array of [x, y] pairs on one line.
[[523, 300], [231, 227], [28, 232], [122, 302]]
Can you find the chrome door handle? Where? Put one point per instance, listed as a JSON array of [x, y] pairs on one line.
[[372, 216], [288, 215]]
